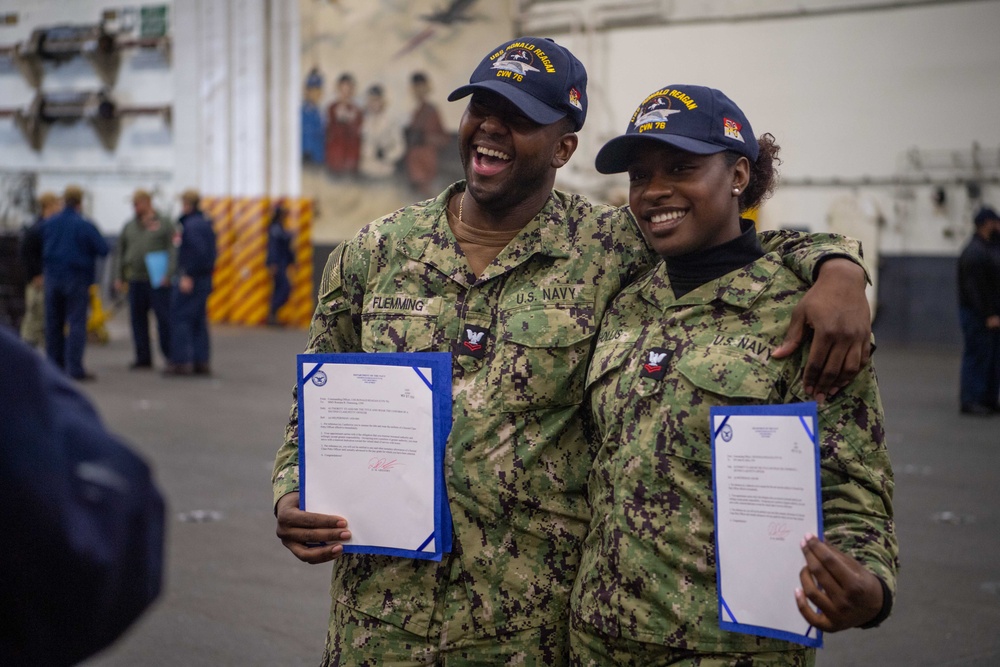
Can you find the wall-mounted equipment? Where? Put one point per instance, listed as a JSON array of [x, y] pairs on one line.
[[95, 107], [61, 43]]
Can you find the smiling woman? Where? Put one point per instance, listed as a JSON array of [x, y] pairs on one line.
[[688, 165], [699, 331], [681, 200]]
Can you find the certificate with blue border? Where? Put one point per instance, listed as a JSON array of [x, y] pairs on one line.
[[372, 434], [766, 486]]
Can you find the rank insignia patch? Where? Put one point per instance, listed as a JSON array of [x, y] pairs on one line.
[[474, 341], [656, 363]]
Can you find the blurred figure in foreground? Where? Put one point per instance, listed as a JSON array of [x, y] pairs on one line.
[[83, 556]]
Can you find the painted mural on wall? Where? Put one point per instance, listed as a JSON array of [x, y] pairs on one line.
[[377, 130]]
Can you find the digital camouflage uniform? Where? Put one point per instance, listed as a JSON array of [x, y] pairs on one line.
[[517, 457], [648, 566]]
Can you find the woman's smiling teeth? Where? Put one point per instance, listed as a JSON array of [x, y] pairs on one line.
[[669, 216]]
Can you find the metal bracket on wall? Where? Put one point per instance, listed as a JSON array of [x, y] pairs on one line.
[[62, 43], [95, 107]]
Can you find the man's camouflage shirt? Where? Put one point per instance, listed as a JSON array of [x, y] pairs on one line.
[[517, 458], [648, 570]]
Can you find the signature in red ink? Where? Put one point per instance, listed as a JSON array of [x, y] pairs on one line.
[[381, 465], [777, 531]]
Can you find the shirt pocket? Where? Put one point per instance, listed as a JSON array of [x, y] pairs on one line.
[[544, 353], [719, 376], [606, 360], [397, 333], [734, 377]]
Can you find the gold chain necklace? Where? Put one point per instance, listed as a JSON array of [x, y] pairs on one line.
[[461, 208]]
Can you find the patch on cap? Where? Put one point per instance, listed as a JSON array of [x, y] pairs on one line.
[[732, 129], [518, 60]]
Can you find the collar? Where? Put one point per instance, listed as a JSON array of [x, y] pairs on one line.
[[690, 271], [429, 238], [739, 289]]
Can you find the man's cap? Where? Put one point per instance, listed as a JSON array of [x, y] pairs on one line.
[[541, 78], [191, 196], [142, 194], [984, 215], [693, 118]]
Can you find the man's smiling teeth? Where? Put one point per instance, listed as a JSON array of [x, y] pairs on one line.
[[667, 217], [492, 153]]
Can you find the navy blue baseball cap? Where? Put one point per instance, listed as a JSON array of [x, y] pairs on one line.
[[542, 79], [693, 118]]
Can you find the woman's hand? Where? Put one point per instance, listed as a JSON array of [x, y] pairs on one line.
[[844, 593]]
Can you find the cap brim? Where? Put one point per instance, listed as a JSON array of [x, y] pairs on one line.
[[530, 106], [616, 155]]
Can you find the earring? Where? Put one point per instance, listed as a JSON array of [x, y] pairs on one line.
[[736, 191]]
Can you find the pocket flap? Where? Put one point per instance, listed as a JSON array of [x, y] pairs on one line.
[[728, 372], [548, 327]]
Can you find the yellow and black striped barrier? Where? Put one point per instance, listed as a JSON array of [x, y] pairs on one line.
[[299, 309], [241, 284]]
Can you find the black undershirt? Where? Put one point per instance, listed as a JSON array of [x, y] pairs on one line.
[[690, 271]]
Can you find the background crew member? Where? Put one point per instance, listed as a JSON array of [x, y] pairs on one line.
[[71, 245], [196, 253], [147, 232]]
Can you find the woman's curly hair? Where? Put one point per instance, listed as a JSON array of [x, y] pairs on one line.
[[763, 172]]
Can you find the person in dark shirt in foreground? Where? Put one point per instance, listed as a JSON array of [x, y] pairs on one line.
[[83, 520]]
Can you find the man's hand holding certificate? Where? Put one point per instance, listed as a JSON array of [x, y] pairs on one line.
[[313, 538], [372, 429]]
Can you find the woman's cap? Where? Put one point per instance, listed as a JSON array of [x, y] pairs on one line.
[[693, 118], [542, 79]]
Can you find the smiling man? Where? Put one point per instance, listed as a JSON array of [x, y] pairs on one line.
[[511, 277]]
